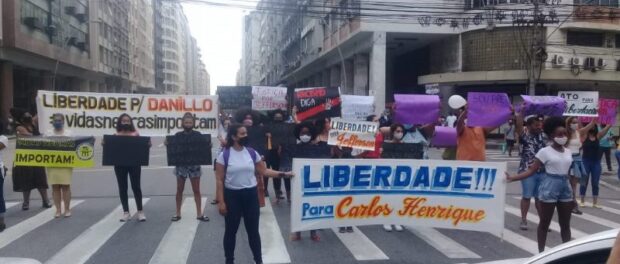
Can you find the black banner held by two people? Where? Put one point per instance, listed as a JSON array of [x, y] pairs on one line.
[[402, 151], [188, 149], [126, 150], [308, 151], [233, 98], [317, 103]]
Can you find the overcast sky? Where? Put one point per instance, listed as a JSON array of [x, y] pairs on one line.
[[218, 33]]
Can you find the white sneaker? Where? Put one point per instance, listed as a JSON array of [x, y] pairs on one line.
[[141, 217], [387, 228], [126, 217], [398, 228]]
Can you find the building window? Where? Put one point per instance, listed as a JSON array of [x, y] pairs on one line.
[[581, 38], [610, 3]]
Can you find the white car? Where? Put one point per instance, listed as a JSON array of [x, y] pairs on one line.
[[593, 249]]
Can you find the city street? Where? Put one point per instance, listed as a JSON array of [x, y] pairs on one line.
[[94, 235]]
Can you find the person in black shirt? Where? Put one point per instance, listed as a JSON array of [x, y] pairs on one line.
[[592, 163]]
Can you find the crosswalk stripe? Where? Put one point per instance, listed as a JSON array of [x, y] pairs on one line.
[[10, 204], [593, 219], [553, 226], [176, 244], [442, 243], [520, 241], [612, 210], [360, 245], [80, 249], [273, 247], [14, 232]]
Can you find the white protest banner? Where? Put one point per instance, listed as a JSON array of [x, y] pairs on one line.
[[95, 114], [357, 107], [463, 195], [580, 103], [268, 98], [352, 134]]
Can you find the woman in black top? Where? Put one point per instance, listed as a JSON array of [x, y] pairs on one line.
[[592, 164]]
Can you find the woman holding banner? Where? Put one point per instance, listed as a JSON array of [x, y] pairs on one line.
[[577, 135], [26, 178], [555, 190], [125, 127], [592, 164], [60, 178], [237, 170], [193, 172]]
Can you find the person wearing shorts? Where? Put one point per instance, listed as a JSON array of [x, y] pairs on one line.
[[555, 190]]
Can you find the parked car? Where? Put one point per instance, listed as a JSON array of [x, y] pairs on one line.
[[593, 249]]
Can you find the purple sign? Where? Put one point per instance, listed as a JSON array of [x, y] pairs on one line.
[[543, 105], [444, 137], [488, 109], [414, 109]]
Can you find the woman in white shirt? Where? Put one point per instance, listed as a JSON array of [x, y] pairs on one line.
[[235, 170], [555, 189]]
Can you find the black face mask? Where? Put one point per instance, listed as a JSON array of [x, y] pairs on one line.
[[244, 141], [125, 127], [187, 129], [27, 119]]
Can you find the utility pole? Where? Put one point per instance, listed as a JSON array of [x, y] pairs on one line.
[[536, 52]]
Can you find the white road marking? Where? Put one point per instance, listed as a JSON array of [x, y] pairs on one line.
[[176, 244], [360, 245], [273, 247], [80, 249], [10, 204], [442, 243], [12, 233], [520, 241], [553, 226]]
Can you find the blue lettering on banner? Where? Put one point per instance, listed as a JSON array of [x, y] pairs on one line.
[[309, 212], [340, 180]]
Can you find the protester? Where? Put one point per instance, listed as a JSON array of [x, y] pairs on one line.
[[606, 144], [509, 136], [221, 136], [577, 135], [471, 141], [193, 172], [26, 178], [532, 141], [60, 178], [592, 164], [237, 190], [257, 140], [397, 134], [125, 127], [307, 135], [323, 126], [4, 143], [273, 160], [555, 190], [376, 153], [343, 153]]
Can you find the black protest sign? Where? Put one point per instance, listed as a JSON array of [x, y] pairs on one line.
[[257, 139], [402, 151], [317, 103], [126, 150], [302, 151], [188, 149], [233, 98], [282, 134]]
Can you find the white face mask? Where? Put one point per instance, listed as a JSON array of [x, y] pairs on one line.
[[305, 138], [574, 126], [561, 140], [398, 136]]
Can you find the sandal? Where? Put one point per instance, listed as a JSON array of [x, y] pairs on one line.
[[175, 218], [203, 218]]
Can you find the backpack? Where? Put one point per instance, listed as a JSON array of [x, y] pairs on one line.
[[227, 156]]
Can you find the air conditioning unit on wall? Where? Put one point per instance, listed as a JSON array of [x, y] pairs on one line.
[[575, 61], [557, 60], [589, 64]]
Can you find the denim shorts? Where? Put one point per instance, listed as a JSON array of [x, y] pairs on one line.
[[530, 185], [577, 168], [555, 188]]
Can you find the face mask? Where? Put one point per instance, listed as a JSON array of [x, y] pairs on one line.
[[561, 140], [125, 127], [305, 138], [398, 136], [58, 126], [28, 119], [244, 141], [187, 129], [574, 126]]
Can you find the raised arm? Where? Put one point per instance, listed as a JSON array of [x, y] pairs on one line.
[[584, 130], [460, 122]]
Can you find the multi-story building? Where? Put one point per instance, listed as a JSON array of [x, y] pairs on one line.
[[44, 45], [141, 51], [396, 46], [172, 48], [249, 68], [203, 80]]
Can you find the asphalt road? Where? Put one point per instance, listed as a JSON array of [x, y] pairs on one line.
[[94, 235]]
